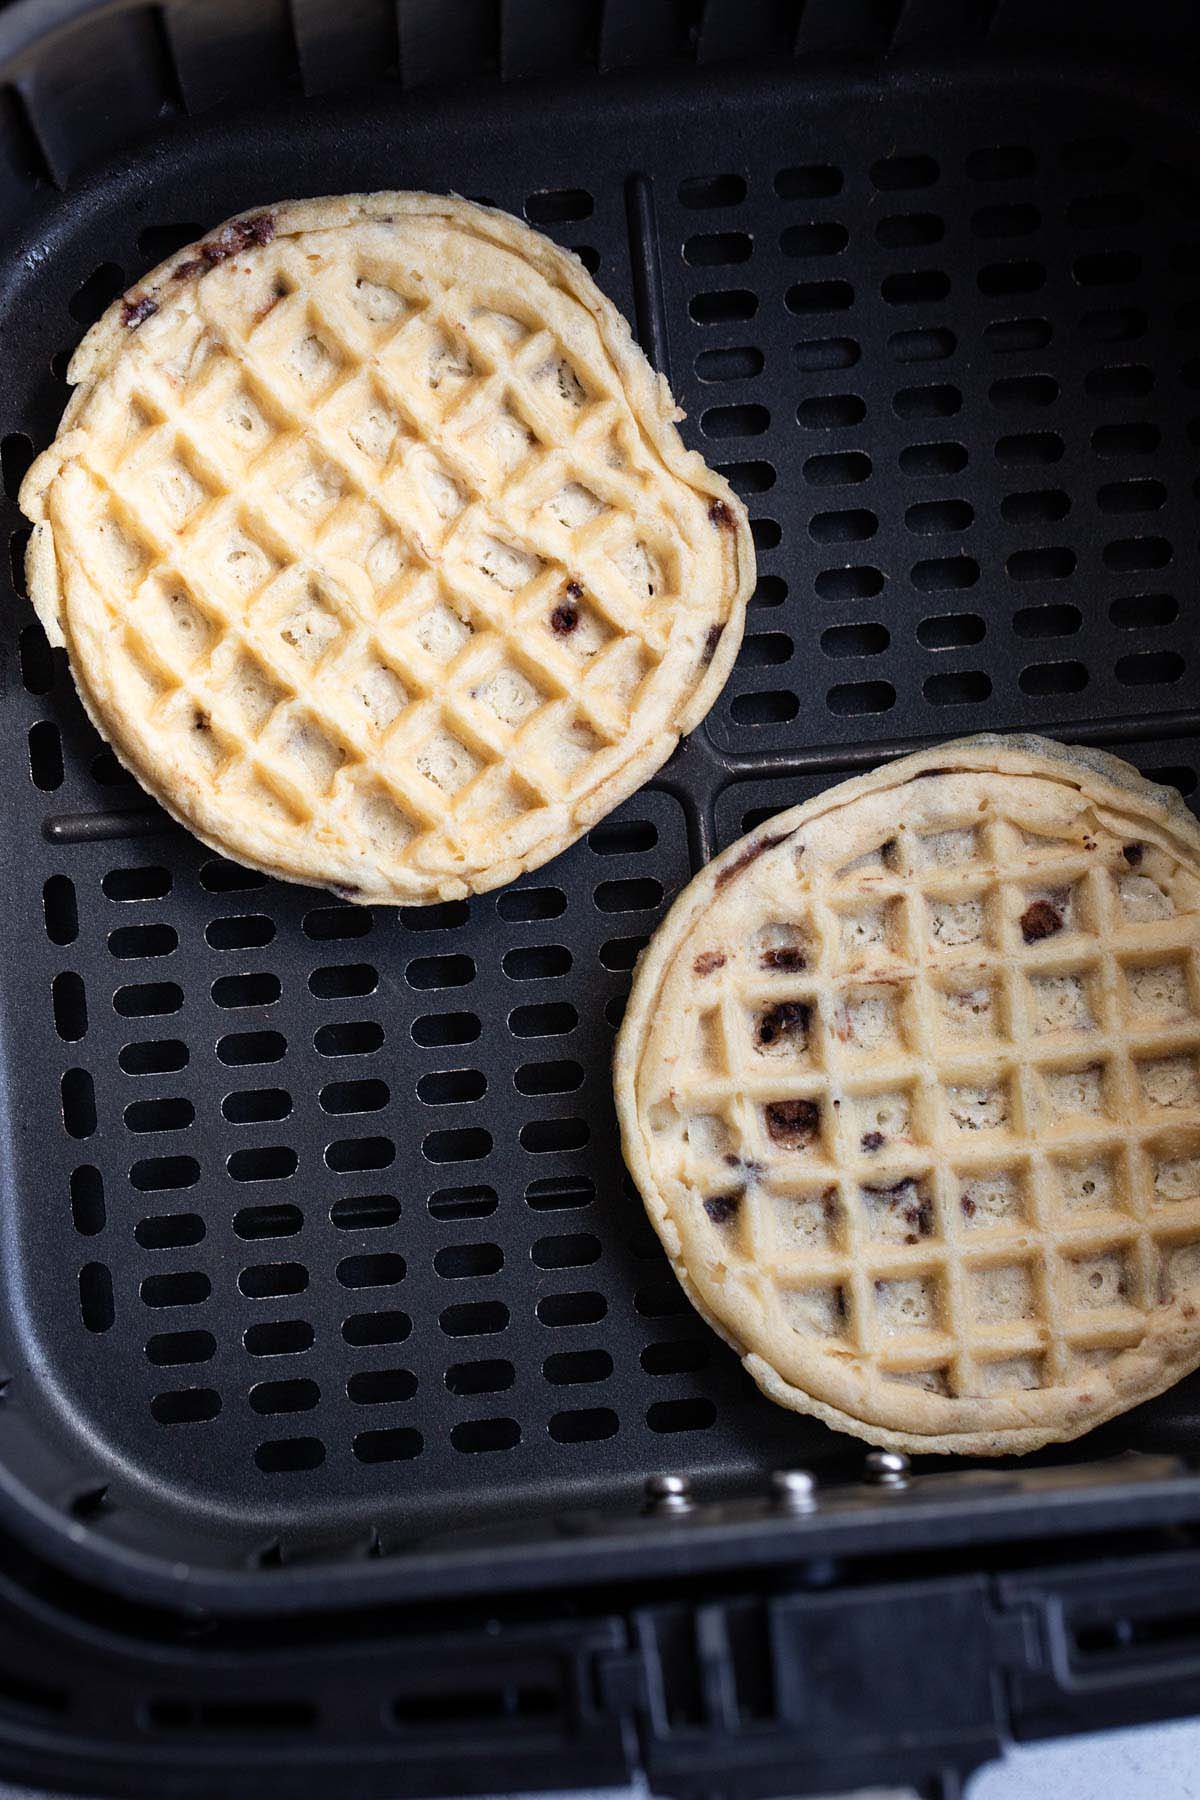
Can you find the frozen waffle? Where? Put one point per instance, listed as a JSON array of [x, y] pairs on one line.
[[375, 549], [910, 1083]]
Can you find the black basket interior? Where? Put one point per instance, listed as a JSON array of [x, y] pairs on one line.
[[318, 1237]]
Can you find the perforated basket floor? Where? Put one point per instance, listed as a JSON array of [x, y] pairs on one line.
[[318, 1239]]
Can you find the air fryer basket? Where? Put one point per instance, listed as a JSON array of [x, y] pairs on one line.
[[317, 1248]]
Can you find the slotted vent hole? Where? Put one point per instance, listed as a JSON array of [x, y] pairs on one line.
[[486, 1375], [364, 1212], [463, 1203], [88, 1212]]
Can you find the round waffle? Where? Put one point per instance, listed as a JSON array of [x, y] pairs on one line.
[[375, 549], [910, 1082]]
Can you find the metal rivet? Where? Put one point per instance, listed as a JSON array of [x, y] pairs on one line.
[[668, 1494], [794, 1490], [886, 1468]]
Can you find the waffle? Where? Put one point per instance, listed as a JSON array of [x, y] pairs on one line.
[[910, 1083], [375, 549]]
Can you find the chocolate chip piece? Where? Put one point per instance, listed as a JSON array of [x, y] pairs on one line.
[[195, 265], [563, 620], [723, 1207], [135, 312], [896, 1191], [720, 516], [709, 961], [219, 249], [752, 1169], [715, 633], [573, 590], [787, 959], [346, 889], [793, 1122], [790, 1018], [231, 240], [1040, 920], [920, 1217], [201, 720], [968, 1206], [872, 1141], [750, 854], [1133, 854]]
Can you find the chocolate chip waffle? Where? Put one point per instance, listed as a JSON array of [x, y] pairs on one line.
[[910, 1082], [375, 549]]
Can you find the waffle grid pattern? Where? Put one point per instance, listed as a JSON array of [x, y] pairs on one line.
[[966, 1209], [364, 420]]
